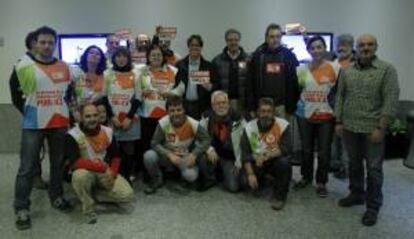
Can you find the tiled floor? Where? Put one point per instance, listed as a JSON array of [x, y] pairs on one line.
[[218, 214]]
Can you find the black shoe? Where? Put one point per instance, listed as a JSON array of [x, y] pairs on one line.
[[303, 183], [322, 191], [205, 185], [370, 217], [351, 200], [91, 218], [153, 187], [23, 221], [62, 204]]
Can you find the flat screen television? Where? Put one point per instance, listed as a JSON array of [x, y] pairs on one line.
[[72, 46], [298, 45]]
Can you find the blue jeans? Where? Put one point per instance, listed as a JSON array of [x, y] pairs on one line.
[[31, 143], [312, 133], [359, 147]]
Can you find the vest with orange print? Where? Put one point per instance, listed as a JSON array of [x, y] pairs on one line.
[[120, 87], [94, 147], [44, 87], [317, 97], [179, 139], [88, 88], [267, 141], [153, 103]]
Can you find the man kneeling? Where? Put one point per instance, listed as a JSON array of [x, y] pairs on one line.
[[93, 154], [265, 149], [178, 142]]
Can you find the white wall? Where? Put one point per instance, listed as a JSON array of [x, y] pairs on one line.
[[390, 21]]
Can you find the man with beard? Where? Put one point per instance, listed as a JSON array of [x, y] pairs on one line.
[[92, 153], [178, 142], [266, 147], [225, 127], [139, 52], [366, 101], [232, 70]]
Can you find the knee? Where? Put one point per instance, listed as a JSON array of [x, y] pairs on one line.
[[80, 176], [190, 174], [127, 195], [232, 186], [150, 158]]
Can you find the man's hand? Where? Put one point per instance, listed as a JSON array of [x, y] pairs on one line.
[[212, 156], [208, 86], [252, 114], [175, 159], [339, 130], [108, 179], [260, 159], [377, 136], [127, 123], [115, 122], [252, 180], [190, 159]]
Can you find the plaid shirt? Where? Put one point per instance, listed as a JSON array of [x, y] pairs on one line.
[[365, 95]]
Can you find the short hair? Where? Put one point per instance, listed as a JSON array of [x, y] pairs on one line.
[[266, 101], [217, 93], [272, 26], [195, 37], [122, 51], [45, 30], [112, 35], [82, 107], [153, 47], [313, 39], [174, 100], [344, 39], [30, 37], [232, 31], [83, 64]]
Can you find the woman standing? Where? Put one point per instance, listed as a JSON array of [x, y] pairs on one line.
[[121, 90], [317, 81]]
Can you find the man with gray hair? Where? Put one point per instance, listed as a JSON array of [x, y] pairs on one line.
[[225, 127], [366, 101], [232, 70]]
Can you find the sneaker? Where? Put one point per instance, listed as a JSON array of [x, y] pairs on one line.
[[277, 204], [23, 221], [152, 187], [62, 204], [39, 183], [351, 200], [91, 218], [321, 191], [303, 183], [370, 217]]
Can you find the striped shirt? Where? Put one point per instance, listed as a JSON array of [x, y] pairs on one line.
[[365, 95]]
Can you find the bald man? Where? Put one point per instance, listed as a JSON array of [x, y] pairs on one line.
[[366, 100]]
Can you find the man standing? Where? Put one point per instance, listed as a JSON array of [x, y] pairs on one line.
[[43, 82], [366, 100], [266, 147], [232, 72], [225, 127], [178, 142], [272, 73], [93, 155]]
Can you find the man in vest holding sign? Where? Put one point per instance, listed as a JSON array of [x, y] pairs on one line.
[[179, 142], [39, 89], [266, 147], [93, 155]]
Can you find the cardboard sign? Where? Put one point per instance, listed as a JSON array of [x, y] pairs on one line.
[[167, 33], [200, 77], [294, 28]]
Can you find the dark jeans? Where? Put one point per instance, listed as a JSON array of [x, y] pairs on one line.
[[359, 147], [339, 156], [32, 141], [281, 169], [312, 133], [127, 152]]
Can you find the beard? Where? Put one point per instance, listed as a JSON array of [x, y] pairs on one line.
[[265, 123], [178, 121], [89, 130]]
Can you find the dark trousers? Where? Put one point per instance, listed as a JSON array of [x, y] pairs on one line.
[[359, 147], [281, 169], [128, 162], [312, 133], [32, 142]]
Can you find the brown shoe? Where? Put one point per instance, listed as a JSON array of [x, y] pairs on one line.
[[278, 204]]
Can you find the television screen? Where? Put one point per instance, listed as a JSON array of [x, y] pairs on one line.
[[298, 45], [72, 46]]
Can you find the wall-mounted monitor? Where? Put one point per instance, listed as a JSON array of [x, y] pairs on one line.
[[72, 46], [298, 45]]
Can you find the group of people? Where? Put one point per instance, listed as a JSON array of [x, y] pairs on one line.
[[201, 122]]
